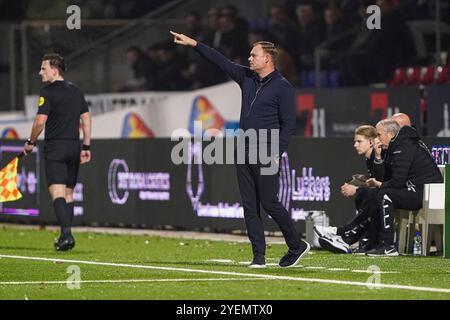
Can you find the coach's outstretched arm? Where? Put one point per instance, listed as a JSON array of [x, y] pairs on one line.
[[235, 71]]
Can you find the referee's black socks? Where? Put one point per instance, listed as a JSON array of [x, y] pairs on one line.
[[63, 215], [71, 212]]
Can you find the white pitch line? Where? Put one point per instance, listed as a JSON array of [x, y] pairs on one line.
[[376, 272], [338, 269], [300, 266], [220, 260], [255, 275], [129, 281]]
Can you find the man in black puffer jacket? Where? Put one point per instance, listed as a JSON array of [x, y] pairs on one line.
[[408, 165]]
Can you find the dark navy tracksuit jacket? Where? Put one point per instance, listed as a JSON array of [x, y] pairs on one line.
[[267, 103]]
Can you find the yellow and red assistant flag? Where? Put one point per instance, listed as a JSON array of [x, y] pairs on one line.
[[8, 182]]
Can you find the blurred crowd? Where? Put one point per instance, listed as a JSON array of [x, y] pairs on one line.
[[92, 9], [354, 54], [350, 54]]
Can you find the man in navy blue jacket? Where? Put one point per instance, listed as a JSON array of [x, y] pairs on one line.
[[268, 105]]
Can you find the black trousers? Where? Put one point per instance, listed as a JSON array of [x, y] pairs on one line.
[[391, 199], [365, 223], [256, 190]]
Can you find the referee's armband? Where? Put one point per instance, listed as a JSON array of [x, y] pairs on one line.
[[86, 147]]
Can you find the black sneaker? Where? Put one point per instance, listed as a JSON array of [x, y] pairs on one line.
[[361, 251], [383, 251], [364, 247], [258, 263], [291, 258], [65, 243]]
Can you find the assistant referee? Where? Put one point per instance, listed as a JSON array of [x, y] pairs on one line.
[[61, 106]]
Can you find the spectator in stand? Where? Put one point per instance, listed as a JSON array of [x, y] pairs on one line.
[[311, 33], [374, 54], [141, 66], [282, 30], [233, 36], [338, 38], [241, 23], [335, 22], [197, 73], [194, 25], [153, 65], [152, 54], [169, 76], [212, 27]]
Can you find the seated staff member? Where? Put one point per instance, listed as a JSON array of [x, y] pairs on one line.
[[408, 165], [339, 239]]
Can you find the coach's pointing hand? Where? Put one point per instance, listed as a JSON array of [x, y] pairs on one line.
[[180, 38]]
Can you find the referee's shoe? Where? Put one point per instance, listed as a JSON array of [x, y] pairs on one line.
[[65, 243], [291, 258]]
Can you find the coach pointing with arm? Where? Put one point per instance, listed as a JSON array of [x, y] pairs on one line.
[[268, 104]]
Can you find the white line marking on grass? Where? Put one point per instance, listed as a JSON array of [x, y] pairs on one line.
[[349, 270], [382, 272], [228, 273], [220, 260], [132, 281], [301, 266]]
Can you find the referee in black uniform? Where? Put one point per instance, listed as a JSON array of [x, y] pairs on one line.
[[61, 106]]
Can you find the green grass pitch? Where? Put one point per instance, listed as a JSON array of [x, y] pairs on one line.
[[142, 267]]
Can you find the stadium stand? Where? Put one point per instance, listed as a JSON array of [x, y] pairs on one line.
[[327, 41]]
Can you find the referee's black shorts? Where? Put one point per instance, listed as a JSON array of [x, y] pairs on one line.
[[62, 161]]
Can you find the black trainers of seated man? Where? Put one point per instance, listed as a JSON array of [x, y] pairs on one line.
[[383, 250]]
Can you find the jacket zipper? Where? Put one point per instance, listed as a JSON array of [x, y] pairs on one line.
[[260, 85]]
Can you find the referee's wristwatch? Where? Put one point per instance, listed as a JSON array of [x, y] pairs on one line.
[[31, 143], [86, 147]]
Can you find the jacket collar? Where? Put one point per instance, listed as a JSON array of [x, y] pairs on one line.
[[273, 74]]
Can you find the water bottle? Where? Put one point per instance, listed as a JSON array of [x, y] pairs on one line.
[[417, 250]]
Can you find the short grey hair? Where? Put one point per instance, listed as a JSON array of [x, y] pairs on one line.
[[390, 126]]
